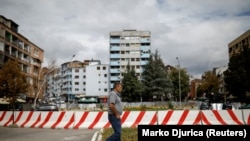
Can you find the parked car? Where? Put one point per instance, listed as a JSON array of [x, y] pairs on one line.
[[47, 107], [204, 106], [247, 106], [227, 106], [204, 103]]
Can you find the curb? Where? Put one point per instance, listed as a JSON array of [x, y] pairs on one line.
[[97, 136]]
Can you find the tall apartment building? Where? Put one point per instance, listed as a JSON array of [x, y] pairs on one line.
[[128, 47], [14, 45], [236, 46]]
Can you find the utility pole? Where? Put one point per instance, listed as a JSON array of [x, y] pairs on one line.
[[179, 78], [68, 74]]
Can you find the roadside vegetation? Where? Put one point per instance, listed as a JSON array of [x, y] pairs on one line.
[[128, 134]]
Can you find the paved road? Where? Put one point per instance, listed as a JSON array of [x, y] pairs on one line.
[[41, 134]]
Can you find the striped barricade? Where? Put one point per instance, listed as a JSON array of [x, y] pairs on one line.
[[222, 117], [6, 118], [134, 118], [89, 120], [179, 117], [26, 118], [58, 119], [29, 119], [246, 116]]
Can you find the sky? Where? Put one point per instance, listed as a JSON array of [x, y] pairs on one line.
[[196, 31]]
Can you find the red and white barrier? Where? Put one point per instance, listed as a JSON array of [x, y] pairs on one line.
[[246, 116], [90, 120], [222, 117], [54, 120], [133, 118], [6, 118], [179, 117], [24, 118]]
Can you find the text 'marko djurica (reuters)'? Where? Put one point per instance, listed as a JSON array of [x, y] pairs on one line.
[[186, 132]]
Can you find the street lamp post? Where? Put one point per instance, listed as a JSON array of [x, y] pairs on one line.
[[179, 78], [68, 68]]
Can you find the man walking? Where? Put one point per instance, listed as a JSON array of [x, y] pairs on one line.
[[115, 111]]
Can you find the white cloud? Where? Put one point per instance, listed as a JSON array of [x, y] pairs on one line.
[[196, 31]]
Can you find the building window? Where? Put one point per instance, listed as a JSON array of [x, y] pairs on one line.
[[76, 77], [76, 89], [104, 68], [77, 70], [98, 68], [36, 52], [76, 83]]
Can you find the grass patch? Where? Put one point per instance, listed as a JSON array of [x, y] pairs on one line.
[[128, 134]]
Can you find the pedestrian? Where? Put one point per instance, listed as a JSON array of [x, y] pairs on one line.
[[115, 111]]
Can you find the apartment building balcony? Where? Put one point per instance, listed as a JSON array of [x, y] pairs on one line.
[[114, 40], [115, 55], [115, 63], [145, 55], [145, 47], [114, 70], [145, 40], [115, 78], [115, 48]]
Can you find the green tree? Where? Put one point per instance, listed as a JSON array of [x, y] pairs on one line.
[[12, 81], [132, 87], [184, 80], [155, 79], [237, 76], [210, 84]]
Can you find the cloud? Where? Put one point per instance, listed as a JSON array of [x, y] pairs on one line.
[[197, 32]]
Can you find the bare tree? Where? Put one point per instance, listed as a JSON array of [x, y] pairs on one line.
[[41, 80]]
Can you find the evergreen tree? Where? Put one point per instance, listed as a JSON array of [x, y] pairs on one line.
[[237, 76], [184, 79], [155, 79], [132, 88]]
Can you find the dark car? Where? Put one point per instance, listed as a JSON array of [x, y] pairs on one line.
[[227, 106], [204, 103], [47, 107], [247, 106], [204, 106]]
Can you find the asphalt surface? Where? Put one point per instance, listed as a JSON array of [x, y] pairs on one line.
[[42, 134]]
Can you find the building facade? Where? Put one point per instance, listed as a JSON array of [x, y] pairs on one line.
[[219, 72], [76, 79], [195, 83], [128, 47], [236, 46], [13, 45]]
